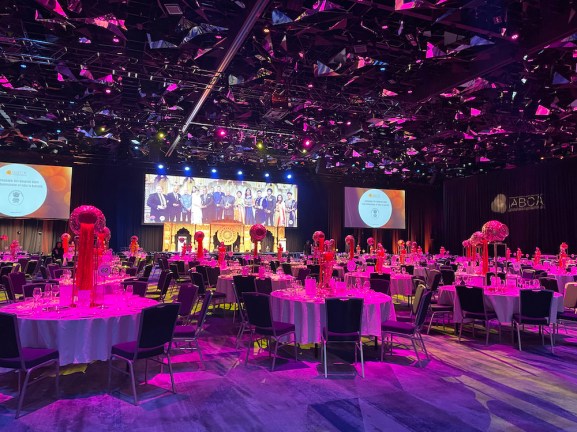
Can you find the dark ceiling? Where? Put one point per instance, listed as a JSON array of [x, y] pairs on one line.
[[415, 91]]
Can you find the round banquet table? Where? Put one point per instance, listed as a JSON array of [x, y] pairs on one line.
[[562, 279], [81, 335], [504, 301], [224, 285], [308, 314]]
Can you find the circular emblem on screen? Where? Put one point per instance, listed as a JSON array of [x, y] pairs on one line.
[[375, 208], [23, 190]]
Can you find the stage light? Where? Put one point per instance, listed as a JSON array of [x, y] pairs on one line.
[[160, 166], [115, 39], [267, 175], [58, 131], [221, 133], [213, 170], [515, 36], [161, 135], [349, 123], [102, 129], [23, 66], [307, 143], [259, 144], [136, 148], [289, 176], [135, 142], [108, 91], [187, 168], [239, 172]]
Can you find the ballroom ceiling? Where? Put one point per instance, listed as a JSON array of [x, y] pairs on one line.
[[407, 90]]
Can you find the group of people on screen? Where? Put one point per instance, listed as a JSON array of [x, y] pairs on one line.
[[187, 200]]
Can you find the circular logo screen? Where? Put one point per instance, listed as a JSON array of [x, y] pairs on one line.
[[23, 190], [375, 208]]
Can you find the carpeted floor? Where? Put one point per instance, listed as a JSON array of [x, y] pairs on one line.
[[465, 387]]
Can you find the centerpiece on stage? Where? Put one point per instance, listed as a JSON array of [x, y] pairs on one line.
[[563, 255], [221, 254], [86, 221], [257, 233], [198, 238], [493, 232]]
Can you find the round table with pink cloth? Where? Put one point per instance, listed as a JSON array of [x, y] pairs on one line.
[[81, 335], [224, 285], [504, 300], [308, 314]]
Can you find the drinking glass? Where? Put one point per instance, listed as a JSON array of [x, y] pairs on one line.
[[129, 290], [37, 295]]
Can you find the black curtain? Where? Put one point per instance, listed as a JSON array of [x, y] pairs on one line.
[[470, 202]]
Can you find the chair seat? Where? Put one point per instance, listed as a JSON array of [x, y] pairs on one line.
[[567, 316], [480, 316], [280, 328], [184, 331], [441, 308], [218, 295], [341, 337], [529, 320], [127, 350], [397, 327], [32, 357]]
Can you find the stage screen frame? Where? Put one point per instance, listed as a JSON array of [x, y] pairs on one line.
[[35, 191], [385, 208], [151, 181]]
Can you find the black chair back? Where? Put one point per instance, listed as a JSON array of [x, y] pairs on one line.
[[315, 269], [528, 273], [58, 273], [380, 285], [203, 311], [417, 300], [198, 280], [213, 274], [44, 273], [433, 280], [28, 289], [202, 269], [244, 284], [10, 347], [471, 299], [273, 266], [549, 284], [17, 280], [131, 261], [383, 276], [147, 270], [303, 274], [422, 309], [180, 267], [157, 325], [536, 303], [257, 308], [286, 268], [264, 286], [448, 276], [409, 268], [51, 268], [187, 295], [344, 318], [164, 282], [6, 270], [139, 288]]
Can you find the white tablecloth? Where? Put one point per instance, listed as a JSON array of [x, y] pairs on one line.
[[224, 285], [505, 303], [309, 316], [80, 335]]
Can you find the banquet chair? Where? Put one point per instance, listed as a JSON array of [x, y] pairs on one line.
[[163, 284], [213, 273], [414, 306], [260, 322], [433, 280], [384, 276], [189, 333], [6, 270], [139, 288], [273, 266], [528, 273], [44, 273], [24, 359], [409, 268], [448, 276], [540, 274], [154, 339], [51, 268], [141, 265], [131, 271], [187, 296], [202, 269], [549, 284], [131, 261], [23, 262], [416, 282], [243, 284], [31, 268], [243, 328], [144, 276], [286, 269], [408, 330], [17, 280], [264, 285], [472, 301], [381, 286], [534, 309], [343, 325], [175, 276], [303, 274], [58, 273]]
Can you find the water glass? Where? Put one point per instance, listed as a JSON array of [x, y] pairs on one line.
[[37, 295], [129, 290]]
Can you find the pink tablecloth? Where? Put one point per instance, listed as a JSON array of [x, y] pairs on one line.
[[224, 285], [309, 316], [505, 302], [401, 284], [80, 335]]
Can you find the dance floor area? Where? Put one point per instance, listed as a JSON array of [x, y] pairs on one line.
[[465, 387]]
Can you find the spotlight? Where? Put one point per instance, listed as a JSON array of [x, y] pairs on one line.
[[239, 172], [23, 66], [259, 144], [221, 133], [160, 166], [307, 143], [136, 148], [515, 36], [161, 135], [115, 39], [213, 170], [102, 129], [107, 91], [187, 168], [266, 30], [289, 176], [267, 175], [58, 131]]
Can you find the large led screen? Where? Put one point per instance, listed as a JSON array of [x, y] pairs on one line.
[[374, 208], [204, 201], [34, 191]]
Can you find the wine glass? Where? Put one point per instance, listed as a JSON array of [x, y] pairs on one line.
[[37, 295], [55, 291], [129, 290]]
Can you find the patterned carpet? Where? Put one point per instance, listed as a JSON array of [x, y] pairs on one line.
[[466, 387]]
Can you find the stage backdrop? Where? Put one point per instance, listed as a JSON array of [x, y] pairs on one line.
[[537, 203]]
